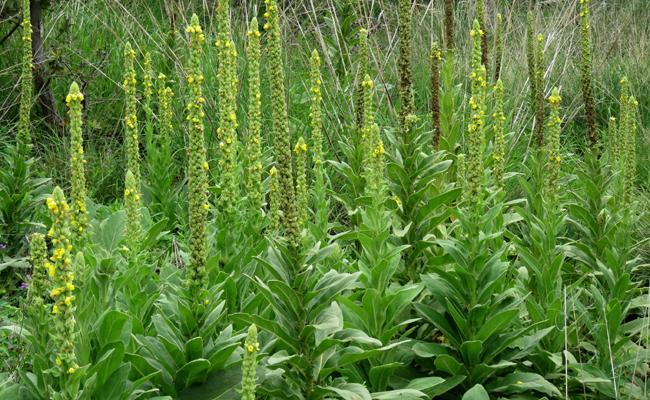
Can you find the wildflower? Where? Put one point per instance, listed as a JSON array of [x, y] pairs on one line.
[[499, 141], [475, 130], [38, 259], [449, 25], [436, 57], [63, 333], [288, 206], [197, 175], [249, 364], [147, 95], [24, 137], [132, 207], [302, 191], [499, 47], [132, 132], [530, 56], [539, 91], [362, 71], [227, 83], [404, 61], [79, 214], [480, 15], [586, 69], [274, 200], [553, 147]]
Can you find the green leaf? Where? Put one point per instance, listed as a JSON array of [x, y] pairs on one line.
[[448, 364], [194, 348], [399, 394], [520, 382], [192, 372], [477, 392]]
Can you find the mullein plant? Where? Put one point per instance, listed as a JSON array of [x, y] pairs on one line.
[[498, 52], [161, 166], [539, 91], [131, 129], [227, 121], [254, 138], [499, 151], [275, 200], [281, 134], [24, 137], [629, 148], [475, 135], [530, 57], [362, 71], [197, 165], [133, 229], [249, 364], [405, 30], [436, 58], [78, 212], [586, 69], [320, 202], [449, 25], [482, 21], [302, 186], [553, 157], [36, 301], [60, 270], [624, 142], [147, 96]]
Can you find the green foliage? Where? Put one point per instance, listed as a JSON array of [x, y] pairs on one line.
[[526, 288]]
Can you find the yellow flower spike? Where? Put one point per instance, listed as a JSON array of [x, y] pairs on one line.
[[133, 229], [24, 138], [553, 148]]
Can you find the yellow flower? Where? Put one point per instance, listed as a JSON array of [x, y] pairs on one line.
[[58, 361], [55, 292], [71, 370], [55, 309], [69, 286], [68, 301], [250, 348]]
